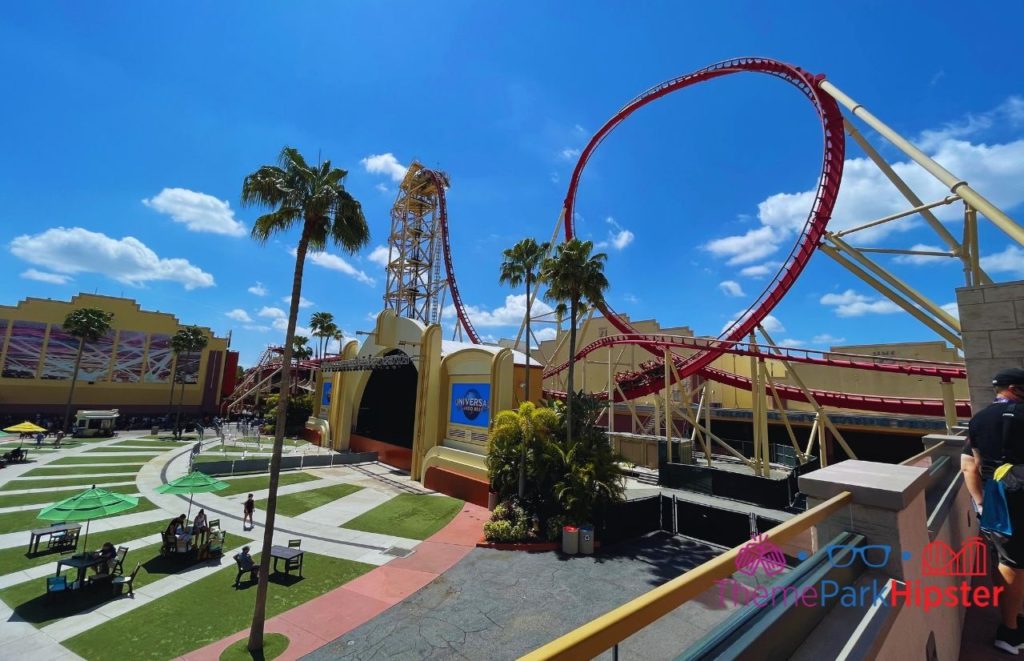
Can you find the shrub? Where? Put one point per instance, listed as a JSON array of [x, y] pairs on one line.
[[509, 523], [498, 532]]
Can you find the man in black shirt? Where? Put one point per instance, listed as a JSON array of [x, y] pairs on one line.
[[995, 436]]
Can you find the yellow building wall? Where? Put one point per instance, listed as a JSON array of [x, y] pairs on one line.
[[133, 375]]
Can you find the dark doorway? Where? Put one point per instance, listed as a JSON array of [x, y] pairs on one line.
[[388, 409]]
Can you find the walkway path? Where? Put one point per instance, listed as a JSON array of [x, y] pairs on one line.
[[318, 622]]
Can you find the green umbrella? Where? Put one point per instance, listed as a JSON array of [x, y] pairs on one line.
[[90, 504], [194, 482]]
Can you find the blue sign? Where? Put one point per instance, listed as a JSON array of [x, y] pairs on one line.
[[471, 404], [326, 399]]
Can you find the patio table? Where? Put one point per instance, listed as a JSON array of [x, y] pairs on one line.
[[80, 562], [287, 554], [39, 533]]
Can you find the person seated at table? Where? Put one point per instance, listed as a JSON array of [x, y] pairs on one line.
[[172, 527], [181, 532], [245, 561], [106, 557], [201, 526]]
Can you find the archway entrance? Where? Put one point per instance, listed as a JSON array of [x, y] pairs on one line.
[[387, 414]]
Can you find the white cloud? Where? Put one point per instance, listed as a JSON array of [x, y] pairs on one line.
[[920, 260], [618, 237], [383, 188], [770, 323], [544, 334], [630, 298], [731, 288], [952, 309], [866, 194], [851, 304], [1009, 261], [256, 327], [128, 260], [258, 289], [238, 314], [385, 164], [334, 262], [760, 270], [199, 212], [379, 255], [569, 153], [826, 338], [272, 313], [41, 276], [510, 314], [303, 301]]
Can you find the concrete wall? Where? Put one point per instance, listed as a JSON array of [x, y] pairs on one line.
[[992, 321]]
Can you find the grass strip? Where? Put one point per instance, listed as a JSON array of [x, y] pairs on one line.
[[274, 645], [178, 623], [141, 443], [255, 483], [80, 459], [28, 519], [17, 485], [129, 469], [294, 504], [170, 437], [17, 558], [149, 451], [408, 515], [57, 495], [29, 600]]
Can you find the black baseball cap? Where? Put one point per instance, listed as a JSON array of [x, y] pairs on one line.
[[1013, 376]]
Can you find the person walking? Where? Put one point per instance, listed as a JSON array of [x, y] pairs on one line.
[[247, 509], [995, 436]]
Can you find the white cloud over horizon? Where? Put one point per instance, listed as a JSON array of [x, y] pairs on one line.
[[379, 255], [42, 276], [508, 315], [1009, 261], [334, 262], [238, 314], [921, 260], [74, 250], [618, 236], [258, 289], [199, 212], [731, 288], [303, 301], [852, 304]]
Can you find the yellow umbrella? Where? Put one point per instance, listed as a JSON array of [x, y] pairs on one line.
[[24, 427]]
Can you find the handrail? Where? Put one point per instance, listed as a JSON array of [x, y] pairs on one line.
[[602, 633], [921, 455]]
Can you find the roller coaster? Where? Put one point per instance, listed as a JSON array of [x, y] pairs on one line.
[[420, 239]]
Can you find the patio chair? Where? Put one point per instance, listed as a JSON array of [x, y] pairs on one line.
[[118, 583], [216, 543], [55, 584], [118, 569], [294, 543], [294, 563], [214, 525], [254, 572], [169, 545], [63, 541]]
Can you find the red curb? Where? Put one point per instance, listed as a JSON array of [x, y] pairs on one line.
[[317, 622]]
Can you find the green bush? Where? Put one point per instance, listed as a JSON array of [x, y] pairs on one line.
[[509, 523]]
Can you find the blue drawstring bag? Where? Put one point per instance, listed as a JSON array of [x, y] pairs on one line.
[[995, 515]]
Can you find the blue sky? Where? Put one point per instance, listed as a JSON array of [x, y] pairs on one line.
[[129, 127]]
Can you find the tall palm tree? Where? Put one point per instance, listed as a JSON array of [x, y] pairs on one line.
[[573, 274], [313, 198], [187, 341], [88, 325], [319, 322], [300, 348], [520, 265]]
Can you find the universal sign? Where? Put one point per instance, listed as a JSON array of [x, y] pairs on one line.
[[471, 404]]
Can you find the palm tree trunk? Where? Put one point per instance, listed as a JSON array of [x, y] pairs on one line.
[[260, 611], [181, 401], [170, 403], [572, 365], [526, 398], [74, 380]]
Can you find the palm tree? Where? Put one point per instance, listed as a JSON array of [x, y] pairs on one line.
[[338, 336], [572, 274], [188, 340], [300, 348], [88, 325], [315, 199], [520, 265], [320, 323]]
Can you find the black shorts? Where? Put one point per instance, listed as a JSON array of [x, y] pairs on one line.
[[1011, 549]]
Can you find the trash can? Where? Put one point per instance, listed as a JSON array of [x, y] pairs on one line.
[[570, 540], [587, 540], [155, 431]]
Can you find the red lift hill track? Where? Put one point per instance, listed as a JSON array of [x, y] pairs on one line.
[[651, 378]]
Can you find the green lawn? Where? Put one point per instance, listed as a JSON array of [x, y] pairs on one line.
[[408, 515], [177, 623], [17, 485], [53, 496], [150, 451], [126, 459], [170, 437], [26, 520], [294, 504], [129, 469], [17, 558], [29, 600], [255, 483], [212, 456], [142, 443]]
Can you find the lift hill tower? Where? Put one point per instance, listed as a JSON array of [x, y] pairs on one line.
[[415, 285]]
